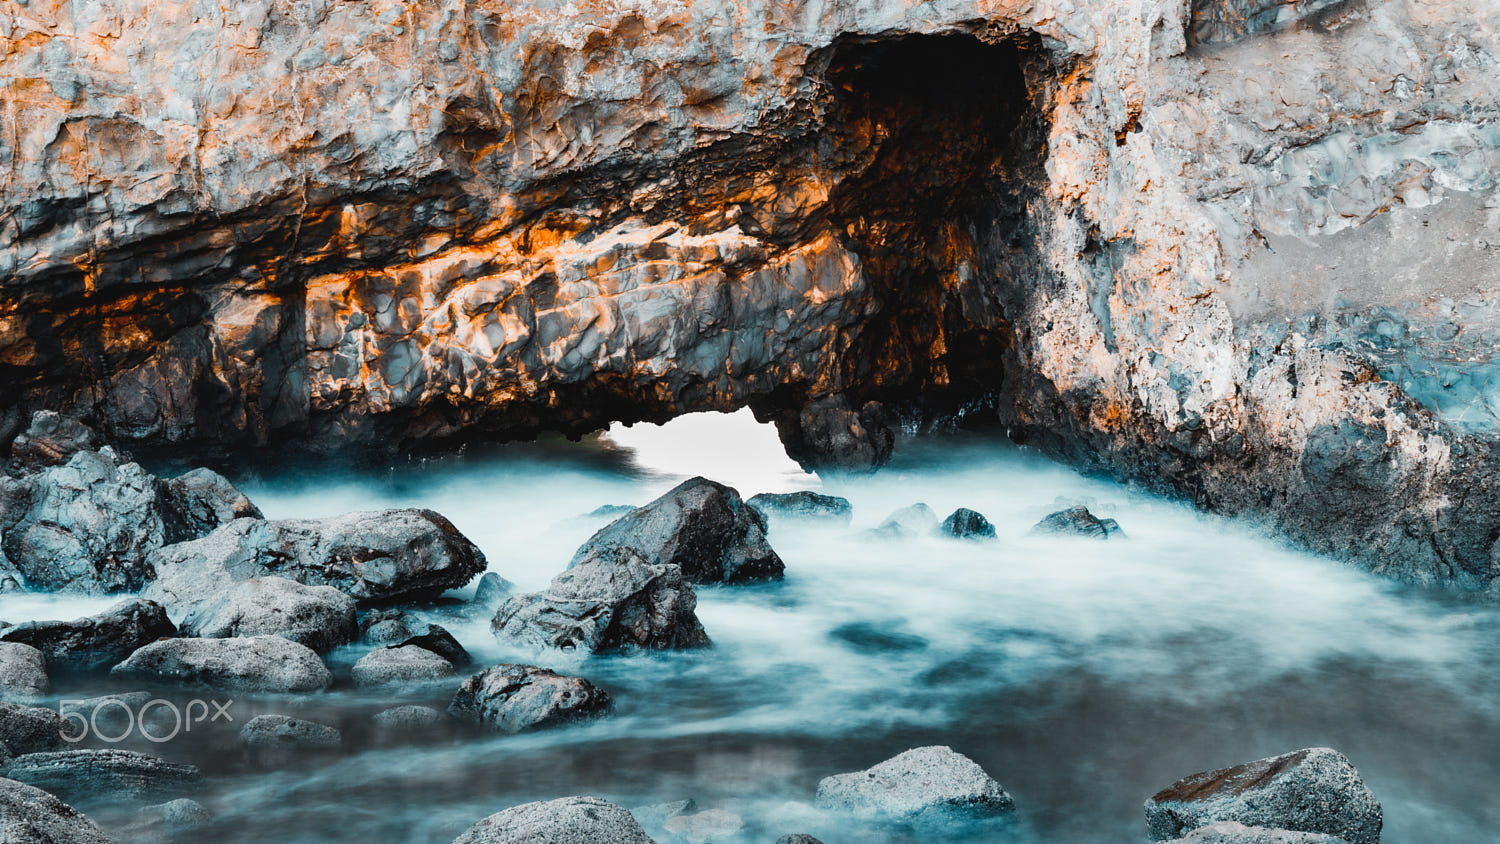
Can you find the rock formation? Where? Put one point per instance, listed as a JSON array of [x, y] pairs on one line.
[[1133, 232]]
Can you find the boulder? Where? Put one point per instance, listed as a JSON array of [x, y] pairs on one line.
[[386, 626], [837, 434], [98, 641], [175, 817], [706, 827], [23, 672], [195, 504], [1230, 832], [927, 785], [656, 815], [964, 523], [514, 698], [1312, 790], [804, 504], [570, 820], [441, 642], [908, 522], [614, 600], [29, 815], [104, 775], [374, 557], [797, 839], [492, 589], [400, 664], [1078, 521], [320, 617], [699, 526], [281, 731], [409, 718], [258, 663], [29, 729], [51, 440]]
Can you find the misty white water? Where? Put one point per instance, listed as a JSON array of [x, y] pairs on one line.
[[1083, 675]]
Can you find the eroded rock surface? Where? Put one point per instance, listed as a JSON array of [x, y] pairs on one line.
[[104, 775], [515, 698], [97, 641], [927, 785], [257, 663], [31, 815], [570, 820], [320, 617]]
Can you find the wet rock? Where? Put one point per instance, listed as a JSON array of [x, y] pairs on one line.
[[1230, 832], [29, 815], [103, 775], [831, 434], [873, 638], [386, 626], [657, 814], [908, 522], [707, 827], [195, 504], [258, 663], [1079, 521], [281, 731], [570, 820], [118, 715], [29, 729], [927, 785], [174, 818], [51, 440], [23, 672], [613, 600], [492, 589], [409, 718], [803, 504], [797, 839], [1312, 790], [441, 642], [96, 642], [700, 526], [374, 557], [968, 524], [515, 698], [400, 664], [320, 617]]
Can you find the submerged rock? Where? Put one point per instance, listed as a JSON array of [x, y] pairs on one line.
[[103, 775], [705, 827], [1230, 832], [29, 815], [1078, 520], [23, 672], [282, 731], [409, 718], [612, 600], [569, 820], [657, 814], [119, 714], [926, 785], [258, 663], [700, 526], [908, 522], [515, 698], [320, 617], [797, 839], [400, 664], [29, 729], [803, 504], [174, 818], [1313, 790], [968, 524], [97, 641]]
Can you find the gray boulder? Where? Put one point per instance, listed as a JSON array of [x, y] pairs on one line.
[[320, 617], [51, 440], [1230, 832], [614, 600], [386, 626], [964, 523], [409, 718], [174, 818], [570, 820], [104, 775], [374, 557], [258, 663], [400, 664], [492, 589], [281, 731], [908, 522], [804, 504], [23, 672], [195, 504], [98, 641], [29, 729], [1080, 522], [700, 526], [1312, 790], [515, 698], [927, 785], [29, 815]]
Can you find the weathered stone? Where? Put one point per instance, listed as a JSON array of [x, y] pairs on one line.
[[103, 775], [175, 817], [23, 672], [281, 731], [320, 617], [492, 589], [400, 664], [927, 785], [1313, 790], [1231, 832], [798, 838], [29, 815], [570, 820], [964, 523], [259, 663], [1079, 521], [515, 698], [832, 434], [121, 714], [195, 504], [441, 642], [386, 626], [51, 440], [700, 526], [29, 729], [706, 827], [612, 600], [98, 641], [409, 718], [803, 505]]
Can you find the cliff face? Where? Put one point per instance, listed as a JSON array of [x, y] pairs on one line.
[[1139, 233]]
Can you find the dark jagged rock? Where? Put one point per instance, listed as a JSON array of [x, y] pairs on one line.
[[928, 785], [23, 672], [89, 775], [51, 440], [803, 504], [320, 617], [29, 729], [1313, 790], [570, 820], [29, 815], [259, 663], [1230, 832], [374, 557], [441, 642], [700, 526], [797, 839], [1078, 521], [96, 642], [281, 731], [400, 664], [196, 503], [612, 600], [968, 524], [908, 522], [515, 698], [831, 434]]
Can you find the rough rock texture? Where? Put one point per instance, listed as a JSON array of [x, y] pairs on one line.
[[799, 838], [29, 815], [514, 698], [29, 729], [802, 505], [613, 600], [492, 589], [400, 664], [927, 785], [409, 718], [1313, 790], [282, 731], [832, 434], [386, 626], [964, 523], [700, 526], [196, 503], [1135, 231], [51, 440], [23, 672], [570, 820], [374, 557], [259, 663], [1079, 521], [320, 617], [1230, 832], [98, 641], [103, 775]]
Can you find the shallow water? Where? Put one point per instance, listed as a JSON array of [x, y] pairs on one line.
[[1083, 675]]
